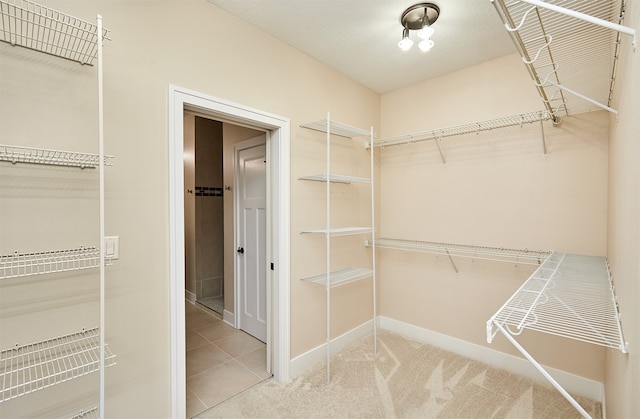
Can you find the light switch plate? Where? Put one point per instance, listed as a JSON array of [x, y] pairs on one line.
[[111, 247]]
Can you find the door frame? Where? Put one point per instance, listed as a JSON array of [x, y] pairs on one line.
[[278, 242]]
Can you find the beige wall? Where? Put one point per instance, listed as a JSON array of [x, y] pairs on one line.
[[50, 103], [623, 248], [497, 189]]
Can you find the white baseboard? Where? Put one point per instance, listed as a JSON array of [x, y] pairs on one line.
[[229, 318], [190, 297], [572, 383], [311, 358]]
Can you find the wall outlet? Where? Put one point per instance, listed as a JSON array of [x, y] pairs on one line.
[[111, 247]]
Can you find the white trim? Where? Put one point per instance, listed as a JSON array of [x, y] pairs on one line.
[[229, 318], [179, 98], [190, 296], [311, 358], [573, 383]]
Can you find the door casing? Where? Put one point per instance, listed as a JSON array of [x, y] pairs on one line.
[[278, 243]]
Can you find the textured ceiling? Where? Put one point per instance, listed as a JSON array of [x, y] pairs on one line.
[[359, 38]]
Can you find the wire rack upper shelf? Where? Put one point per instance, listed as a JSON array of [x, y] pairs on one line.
[[323, 177], [498, 254], [336, 128], [40, 263], [28, 24], [16, 154], [28, 368], [87, 414], [341, 277], [471, 128]]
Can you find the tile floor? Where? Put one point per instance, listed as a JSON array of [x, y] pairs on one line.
[[221, 361]]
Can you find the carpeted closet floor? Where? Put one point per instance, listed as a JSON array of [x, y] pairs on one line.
[[405, 379]]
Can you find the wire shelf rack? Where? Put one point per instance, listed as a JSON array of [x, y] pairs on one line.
[[471, 128], [496, 254], [28, 368], [16, 154], [31, 25], [323, 177], [571, 296], [570, 49], [341, 277], [339, 231], [336, 128], [29, 264], [87, 414]]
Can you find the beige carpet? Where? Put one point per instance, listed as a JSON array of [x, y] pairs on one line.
[[405, 379]]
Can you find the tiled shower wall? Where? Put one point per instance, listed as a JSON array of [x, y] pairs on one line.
[[209, 220]]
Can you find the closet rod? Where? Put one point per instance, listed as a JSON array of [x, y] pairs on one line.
[[475, 127]]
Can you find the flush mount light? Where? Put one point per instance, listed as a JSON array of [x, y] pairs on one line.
[[419, 17]]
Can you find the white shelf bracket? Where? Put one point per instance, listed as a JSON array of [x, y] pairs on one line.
[[583, 97], [444, 161], [544, 143]]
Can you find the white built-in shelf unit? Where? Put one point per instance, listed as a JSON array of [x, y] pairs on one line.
[[333, 278]]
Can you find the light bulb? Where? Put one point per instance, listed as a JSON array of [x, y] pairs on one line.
[[405, 43], [425, 32], [426, 45]]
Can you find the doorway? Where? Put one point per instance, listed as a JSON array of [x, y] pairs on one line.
[[278, 248]]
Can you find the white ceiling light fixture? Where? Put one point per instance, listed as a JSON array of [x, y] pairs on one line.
[[419, 17]]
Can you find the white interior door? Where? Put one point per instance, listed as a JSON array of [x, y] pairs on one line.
[[252, 238]]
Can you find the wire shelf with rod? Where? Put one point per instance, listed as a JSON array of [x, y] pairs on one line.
[[340, 277], [86, 414], [40, 263], [471, 128], [30, 25], [28, 368], [569, 295], [17, 154]]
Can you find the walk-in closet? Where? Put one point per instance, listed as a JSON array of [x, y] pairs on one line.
[[452, 203]]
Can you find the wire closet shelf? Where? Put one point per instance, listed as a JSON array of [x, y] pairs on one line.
[[570, 296], [570, 49], [16, 154], [31, 25], [28, 368], [496, 254], [40, 263], [471, 128]]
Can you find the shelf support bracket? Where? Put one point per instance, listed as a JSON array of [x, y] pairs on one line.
[[444, 161], [544, 143], [546, 375], [455, 268]]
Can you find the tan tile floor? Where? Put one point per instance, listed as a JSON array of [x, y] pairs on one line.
[[221, 361]]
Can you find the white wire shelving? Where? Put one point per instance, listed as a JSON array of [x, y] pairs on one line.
[[324, 177], [339, 231], [30, 25], [451, 250], [17, 154], [28, 368], [33, 26], [87, 414], [41, 263], [569, 295], [341, 276], [569, 48], [470, 128], [332, 278]]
